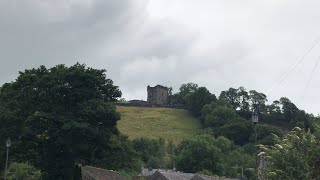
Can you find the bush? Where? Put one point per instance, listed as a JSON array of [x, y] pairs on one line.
[[23, 171], [294, 156], [151, 151]]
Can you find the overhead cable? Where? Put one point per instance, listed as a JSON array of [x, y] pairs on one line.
[[277, 83], [309, 80]]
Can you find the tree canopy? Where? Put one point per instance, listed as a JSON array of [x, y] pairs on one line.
[[194, 97], [60, 116], [296, 155], [214, 156]]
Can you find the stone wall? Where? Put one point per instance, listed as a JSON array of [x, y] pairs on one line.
[[145, 104], [157, 95]]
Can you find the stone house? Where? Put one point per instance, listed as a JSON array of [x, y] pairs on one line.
[[158, 95]]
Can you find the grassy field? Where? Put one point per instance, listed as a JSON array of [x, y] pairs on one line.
[[168, 123]]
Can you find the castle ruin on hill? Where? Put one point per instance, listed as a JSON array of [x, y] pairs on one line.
[[158, 95]]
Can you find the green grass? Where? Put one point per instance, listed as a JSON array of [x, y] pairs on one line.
[[168, 123]]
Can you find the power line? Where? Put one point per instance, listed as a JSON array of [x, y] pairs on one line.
[[309, 80], [276, 83]]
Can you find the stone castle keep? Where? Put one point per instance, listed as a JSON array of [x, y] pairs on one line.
[[157, 95]]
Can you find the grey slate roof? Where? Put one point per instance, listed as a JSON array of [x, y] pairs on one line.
[[204, 177], [148, 172], [93, 173], [177, 175], [169, 175], [159, 174]]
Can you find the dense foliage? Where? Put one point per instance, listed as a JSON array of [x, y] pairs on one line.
[[151, 151], [21, 171], [230, 114], [297, 156], [193, 96], [215, 156], [60, 116]]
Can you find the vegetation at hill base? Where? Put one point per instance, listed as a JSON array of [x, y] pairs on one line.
[[296, 155], [154, 123], [23, 171], [60, 116]]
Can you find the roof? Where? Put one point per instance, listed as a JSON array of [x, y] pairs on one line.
[[148, 172], [170, 175], [205, 177], [177, 175], [90, 172]]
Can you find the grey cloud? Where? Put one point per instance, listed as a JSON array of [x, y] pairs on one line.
[[33, 33], [217, 44]]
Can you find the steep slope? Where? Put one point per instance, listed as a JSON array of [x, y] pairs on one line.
[[168, 123]]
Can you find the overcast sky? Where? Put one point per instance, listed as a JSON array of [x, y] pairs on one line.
[[216, 44]]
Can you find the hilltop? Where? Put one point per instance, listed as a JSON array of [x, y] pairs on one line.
[[168, 123]]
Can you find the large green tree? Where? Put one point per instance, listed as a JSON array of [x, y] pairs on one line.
[[193, 97], [199, 98], [237, 129], [151, 151], [182, 96], [258, 101], [60, 116], [223, 120], [232, 96], [245, 103], [218, 116], [200, 153], [214, 156]]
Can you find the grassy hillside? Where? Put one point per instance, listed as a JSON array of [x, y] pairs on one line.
[[168, 123]]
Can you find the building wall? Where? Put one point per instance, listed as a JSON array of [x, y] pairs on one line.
[[157, 95]]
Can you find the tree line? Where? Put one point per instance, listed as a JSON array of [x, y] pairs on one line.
[[61, 116], [230, 113]]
